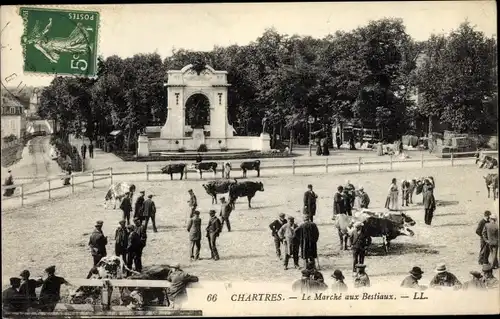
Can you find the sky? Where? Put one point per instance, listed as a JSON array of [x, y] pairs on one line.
[[144, 28]]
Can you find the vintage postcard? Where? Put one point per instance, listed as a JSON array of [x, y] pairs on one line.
[[284, 159]]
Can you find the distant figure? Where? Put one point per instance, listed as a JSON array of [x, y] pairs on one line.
[[324, 146], [67, 178], [194, 229], [225, 212], [51, 290], [214, 229], [98, 242], [338, 285], [339, 142], [149, 211], [193, 203], [359, 243], [361, 278], [28, 289], [444, 278], [134, 248], [121, 240], [338, 202], [392, 199], [308, 235], [429, 201], [126, 207], [83, 149], [275, 226], [483, 246], [352, 147], [364, 199], [476, 282], [12, 300], [264, 124], [198, 158], [319, 151], [490, 236], [91, 150], [8, 182], [412, 280], [314, 272], [310, 202], [139, 205]]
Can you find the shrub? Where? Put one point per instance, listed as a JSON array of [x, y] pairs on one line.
[[223, 149], [10, 138], [202, 148], [181, 150]]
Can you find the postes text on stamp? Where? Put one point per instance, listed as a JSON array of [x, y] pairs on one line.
[[60, 41]]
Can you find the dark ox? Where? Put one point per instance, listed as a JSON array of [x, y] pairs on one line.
[[486, 161], [250, 165], [172, 169], [205, 166], [220, 186], [244, 189], [491, 181], [116, 192], [408, 187], [389, 228]]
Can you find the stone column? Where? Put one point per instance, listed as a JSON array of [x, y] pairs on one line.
[[143, 146]]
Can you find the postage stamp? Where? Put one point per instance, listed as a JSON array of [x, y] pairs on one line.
[[60, 41]]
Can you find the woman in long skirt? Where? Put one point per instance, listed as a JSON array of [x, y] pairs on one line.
[[392, 199]]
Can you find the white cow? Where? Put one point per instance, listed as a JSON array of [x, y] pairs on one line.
[[226, 169], [116, 192]]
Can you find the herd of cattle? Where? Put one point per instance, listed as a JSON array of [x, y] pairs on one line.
[[201, 167]]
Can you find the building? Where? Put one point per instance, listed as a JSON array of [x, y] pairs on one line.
[[13, 118]]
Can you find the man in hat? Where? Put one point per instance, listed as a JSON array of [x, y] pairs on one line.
[[149, 211], [315, 273], [361, 278], [141, 230], [91, 150], [359, 244], [483, 246], [476, 282], [275, 226], [27, 289], [134, 248], [121, 240], [194, 229], [490, 236], [412, 280], [428, 201], [308, 285], [12, 300], [177, 293], [308, 234], [287, 235], [98, 242], [139, 205], [9, 181], [83, 149], [338, 285], [214, 228], [350, 190], [225, 212], [193, 203], [126, 206], [443, 278], [338, 202], [489, 280], [364, 199], [51, 290], [310, 202]]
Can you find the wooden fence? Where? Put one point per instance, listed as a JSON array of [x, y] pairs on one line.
[[293, 164]]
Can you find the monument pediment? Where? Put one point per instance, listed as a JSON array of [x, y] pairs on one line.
[[196, 74]]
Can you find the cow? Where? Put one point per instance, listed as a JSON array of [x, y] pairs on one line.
[[250, 165], [386, 228], [343, 223], [486, 161], [408, 187], [491, 181], [226, 169], [205, 166], [172, 169], [117, 192], [220, 186], [243, 189]]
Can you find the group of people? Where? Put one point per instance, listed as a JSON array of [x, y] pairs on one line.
[[21, 295], [345, 197], [487, 230], [144, 209], [83, 150]]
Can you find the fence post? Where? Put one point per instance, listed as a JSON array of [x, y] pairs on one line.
[[49, 187], [359, 164], [223, 169], [72, 183], [421, 159], [93, 179], [326, 164], [310, 149], [147, 172], [293, 166], [105, 296], [451, 156], [22, 195], [111, 175], [391, 162]]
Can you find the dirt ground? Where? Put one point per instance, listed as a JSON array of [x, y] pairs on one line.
[[57, 232]]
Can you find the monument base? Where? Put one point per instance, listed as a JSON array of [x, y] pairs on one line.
[[143, 146], [265, 142]]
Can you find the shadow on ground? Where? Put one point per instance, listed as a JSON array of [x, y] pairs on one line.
[[403, 248]]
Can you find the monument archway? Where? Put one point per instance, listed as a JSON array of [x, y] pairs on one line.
[[197, 111]]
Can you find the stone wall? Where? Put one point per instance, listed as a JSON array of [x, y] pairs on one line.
[[235, 142]]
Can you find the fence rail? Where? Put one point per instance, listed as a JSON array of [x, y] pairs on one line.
[[293, 164]]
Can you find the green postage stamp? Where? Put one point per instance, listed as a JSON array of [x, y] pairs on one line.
[[60, 41]]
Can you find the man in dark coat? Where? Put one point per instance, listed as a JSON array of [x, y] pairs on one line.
[[412, 280], [338, 285], [12, 300], [275, 226], [83, 149], [134, 248], [308, 235], [338, 202], [339, 142], [361, 279], [310, 202], [444, 278], [51, 290], [91, 150], [429, 201], [193, 202], [225, 212], [214, 228], [27, 289], [359, 245], [483, 247], [490, 236], [194, 229], [139, 206], [67, 178], [308, 285], [126, 207], [149, 211], [177, 293], [121, 241], [9, 181], [98, 242]]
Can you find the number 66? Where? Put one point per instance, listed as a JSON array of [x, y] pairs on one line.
[[75, 64]]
